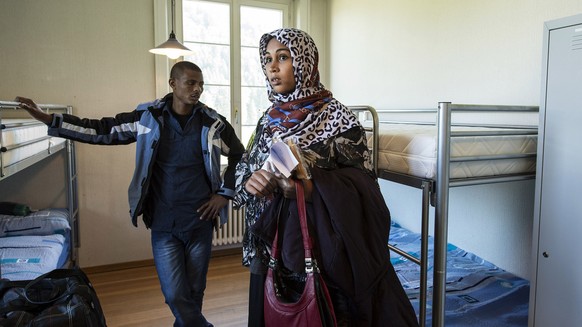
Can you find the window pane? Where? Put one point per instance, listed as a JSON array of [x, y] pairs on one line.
[[246, 133], [254, 22], [251, 70], [254, 103], [206, 21], [214, 60], [207, 34], [218, 98]]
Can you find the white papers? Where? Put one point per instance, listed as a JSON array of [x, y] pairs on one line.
[[281, 159]]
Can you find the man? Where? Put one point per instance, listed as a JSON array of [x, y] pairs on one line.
[[177, 184]]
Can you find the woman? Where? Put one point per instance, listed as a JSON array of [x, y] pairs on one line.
[[346, 209]]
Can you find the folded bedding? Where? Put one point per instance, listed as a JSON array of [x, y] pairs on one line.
[[34, 244], [478, 293]]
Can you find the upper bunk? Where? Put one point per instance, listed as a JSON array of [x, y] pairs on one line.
[[475, 144], [24, 140]]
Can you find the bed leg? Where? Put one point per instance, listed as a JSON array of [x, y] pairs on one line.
[[426, 195]]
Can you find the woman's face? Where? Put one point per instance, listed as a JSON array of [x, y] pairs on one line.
[[279, 67]]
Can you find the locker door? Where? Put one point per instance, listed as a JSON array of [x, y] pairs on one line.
[[559, 269]]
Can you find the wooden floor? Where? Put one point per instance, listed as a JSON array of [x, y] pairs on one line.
[[132, 297]]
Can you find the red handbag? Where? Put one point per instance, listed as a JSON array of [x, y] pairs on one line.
[[312, 306]]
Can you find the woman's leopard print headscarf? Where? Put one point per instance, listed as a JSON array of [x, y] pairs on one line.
[[305, 63], [319, 124]]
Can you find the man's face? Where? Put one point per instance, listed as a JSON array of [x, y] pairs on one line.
[[188, 87]]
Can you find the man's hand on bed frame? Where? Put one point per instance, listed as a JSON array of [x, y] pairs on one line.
[[34, 110]]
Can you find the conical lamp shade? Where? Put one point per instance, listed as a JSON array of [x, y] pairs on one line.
[[171, 48]]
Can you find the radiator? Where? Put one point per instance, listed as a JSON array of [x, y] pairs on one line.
[[231, 234]]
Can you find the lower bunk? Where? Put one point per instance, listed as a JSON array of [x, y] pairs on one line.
[[34, 243], [478, 293]]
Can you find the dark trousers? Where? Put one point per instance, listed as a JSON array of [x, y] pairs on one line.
[[256, 300]]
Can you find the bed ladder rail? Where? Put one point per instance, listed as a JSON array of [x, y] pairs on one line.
[[362, 112]]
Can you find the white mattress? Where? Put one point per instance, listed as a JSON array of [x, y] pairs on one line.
[[412, 150], [15, 136]]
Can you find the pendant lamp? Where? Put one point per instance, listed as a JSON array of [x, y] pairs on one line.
[[172, 47]]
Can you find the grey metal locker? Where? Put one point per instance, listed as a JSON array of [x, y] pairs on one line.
[[556, 285]]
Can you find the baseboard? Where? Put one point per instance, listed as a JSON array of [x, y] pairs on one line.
[[118, 266], [219, 252]]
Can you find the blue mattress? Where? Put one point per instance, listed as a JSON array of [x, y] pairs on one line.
[[34, 244], [478, 293]]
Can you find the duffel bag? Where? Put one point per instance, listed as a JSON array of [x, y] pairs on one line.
[[61, 297]]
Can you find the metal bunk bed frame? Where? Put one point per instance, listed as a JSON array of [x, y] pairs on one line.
[[6, 107], [435, 191]]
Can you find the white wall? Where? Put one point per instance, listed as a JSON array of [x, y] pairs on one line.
[[92, 55], [311, 16], [414, 53]]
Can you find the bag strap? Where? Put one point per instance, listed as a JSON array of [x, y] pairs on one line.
[[307, 245], [275, 245], [57, 293]]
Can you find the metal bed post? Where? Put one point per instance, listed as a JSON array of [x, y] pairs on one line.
[[72, 200], [2, 149], [426, 193], [441, 214], [376, 125], [373, 129]]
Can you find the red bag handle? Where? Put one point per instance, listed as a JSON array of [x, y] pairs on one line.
[[307, 245]]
